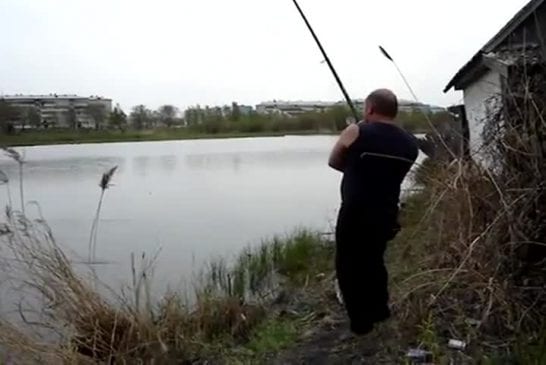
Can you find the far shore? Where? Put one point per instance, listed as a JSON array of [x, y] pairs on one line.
[[56, 137]]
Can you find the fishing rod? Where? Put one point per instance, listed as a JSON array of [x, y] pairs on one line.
[[330, 65], [340, 83], [388, 56], [434, 129]]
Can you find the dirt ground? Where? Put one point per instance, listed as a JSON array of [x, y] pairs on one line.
[[332, 344], [329, 341]]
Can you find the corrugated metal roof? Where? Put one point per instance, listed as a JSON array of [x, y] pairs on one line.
[[490, 46], [530, 55]]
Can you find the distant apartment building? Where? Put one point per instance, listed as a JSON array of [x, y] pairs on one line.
[[245, 109], [408, 106], [412, 106], [294, 108], [62, 111]]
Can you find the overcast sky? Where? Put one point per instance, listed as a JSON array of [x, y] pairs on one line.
[[185, 52]]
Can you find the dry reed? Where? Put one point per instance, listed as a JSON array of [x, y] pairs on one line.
[[481, 243], [83, 326]]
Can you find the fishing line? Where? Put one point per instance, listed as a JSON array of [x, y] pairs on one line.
[[340, 83], [434, 129]]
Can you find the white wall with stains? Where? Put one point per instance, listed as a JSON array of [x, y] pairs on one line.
[[481, 98]]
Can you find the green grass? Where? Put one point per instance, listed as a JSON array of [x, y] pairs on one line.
[[290, 260], [527, 351], [51, 137], [531, 351], [267, 339], [230, 312], [272, 336]]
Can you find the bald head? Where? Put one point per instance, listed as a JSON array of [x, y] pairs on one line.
[[382, 103]]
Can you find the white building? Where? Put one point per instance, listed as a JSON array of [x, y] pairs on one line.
[[408, 106], [245, 109], [294, 108], [63, 111], [483, 79]]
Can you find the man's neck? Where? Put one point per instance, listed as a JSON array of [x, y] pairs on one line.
[[380, 119]]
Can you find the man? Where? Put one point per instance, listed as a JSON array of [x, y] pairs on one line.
[[374, 156]]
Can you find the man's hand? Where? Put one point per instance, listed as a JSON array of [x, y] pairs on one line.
[[346, 139]]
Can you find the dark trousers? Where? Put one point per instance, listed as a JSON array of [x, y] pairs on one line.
[[361, 241]]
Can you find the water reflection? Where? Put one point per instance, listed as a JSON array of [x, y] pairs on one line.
[[68, 168], [168, 163], [235, 161], [140, 165]]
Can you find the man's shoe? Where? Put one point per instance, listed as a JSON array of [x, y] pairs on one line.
[[362, 330], [383, 315]]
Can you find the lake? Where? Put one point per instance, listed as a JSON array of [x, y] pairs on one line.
[[193, 199]]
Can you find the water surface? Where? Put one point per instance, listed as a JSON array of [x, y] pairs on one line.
[[192, 200]]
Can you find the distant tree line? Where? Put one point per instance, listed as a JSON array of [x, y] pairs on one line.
[[211, 120], [8, 113], [165, 116], [21, 117]]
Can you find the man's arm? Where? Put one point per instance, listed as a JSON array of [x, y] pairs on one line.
[[337, 156]]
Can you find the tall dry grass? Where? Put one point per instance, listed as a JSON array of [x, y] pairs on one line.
[[20, 160], [104, 184], [480, 244], [478, 239], [69, 319]]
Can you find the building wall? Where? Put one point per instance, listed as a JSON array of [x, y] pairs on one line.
[[245, 109], [481, 98], [291, 108], [299, 107], [58, 110]]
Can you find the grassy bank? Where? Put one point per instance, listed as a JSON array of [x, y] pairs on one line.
[[35, 138], [239, 310], [464, 267], [274, 301]]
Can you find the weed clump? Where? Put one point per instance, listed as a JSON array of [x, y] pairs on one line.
[[83, 326], [480, 242]]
